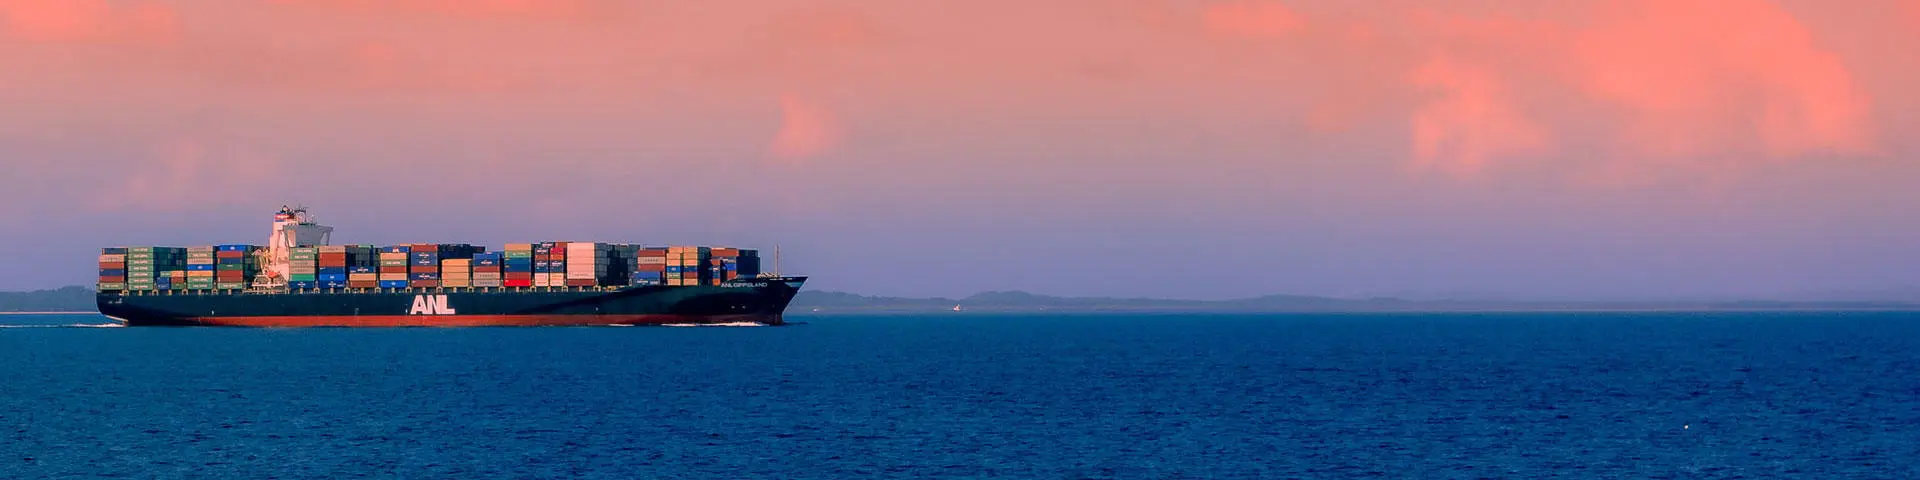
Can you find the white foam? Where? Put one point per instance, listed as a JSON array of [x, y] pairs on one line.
[[70, 325]]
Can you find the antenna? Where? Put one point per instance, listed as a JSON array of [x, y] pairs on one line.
[[776, 260]]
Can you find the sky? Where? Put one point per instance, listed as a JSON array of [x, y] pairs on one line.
[[1631, 149]]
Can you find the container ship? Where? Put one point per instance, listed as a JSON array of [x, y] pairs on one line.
[[298, 280]]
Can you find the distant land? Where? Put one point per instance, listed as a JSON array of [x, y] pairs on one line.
[[67, 299], [80, 299], [1015, 301]]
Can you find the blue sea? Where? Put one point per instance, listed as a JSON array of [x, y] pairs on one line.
[[967, 395]]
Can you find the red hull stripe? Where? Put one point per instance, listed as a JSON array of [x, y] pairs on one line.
[[481, 320]]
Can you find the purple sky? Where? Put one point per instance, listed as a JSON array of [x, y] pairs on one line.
[[1195, 149]]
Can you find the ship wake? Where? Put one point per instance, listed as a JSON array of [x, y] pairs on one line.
[[68, 325]]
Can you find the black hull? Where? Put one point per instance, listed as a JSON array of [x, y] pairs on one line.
[[761, 301]]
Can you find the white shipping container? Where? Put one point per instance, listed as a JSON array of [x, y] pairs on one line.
[[581, 276]]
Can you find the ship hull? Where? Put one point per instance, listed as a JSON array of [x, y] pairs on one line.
[[760, 301]]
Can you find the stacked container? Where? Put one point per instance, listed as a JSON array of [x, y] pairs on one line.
[[151, 268], [548, 257], [201, 265], [363, 266], [330, 268], [234, 266], [113, 269], [303, 264], [586, 263], [456, 272], [731, 263], [394, 261], [649, 267], [424, 269], [486, 270], [516, 265], [687, 265]]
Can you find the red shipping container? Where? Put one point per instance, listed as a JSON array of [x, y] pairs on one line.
[[363, 284], [230, 255], [651, 267], [113, 265], [525, 282], [486, 269], [651, 253], [528, 276], [424, 283], [113, 279], [588, 282], [725, 252], [393, 269]]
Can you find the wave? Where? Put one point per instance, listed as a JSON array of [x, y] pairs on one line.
[[729, 324]]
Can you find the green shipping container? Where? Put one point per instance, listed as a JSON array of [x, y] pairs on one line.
[[230, 286], [139, 261], [113, 286], [393, 263], [302, 277]]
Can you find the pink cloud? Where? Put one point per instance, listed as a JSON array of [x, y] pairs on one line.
[[1471, 121], [806, 130], [167, 180], [87, 21], [1699, 77], [1251, 19], [459, 8]]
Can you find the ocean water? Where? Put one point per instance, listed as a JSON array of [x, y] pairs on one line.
[[1512, 395]]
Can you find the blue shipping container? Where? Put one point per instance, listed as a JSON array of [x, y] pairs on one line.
[[396, 249], [485, 262], [234, 248], [303, 285], [393, 284], [113, 273], [331, 277], [113, 251], [233, 261], [423, 276], [333, 284], [363, 270], [425, 262], [673, 269], [199, 268], [331, 271]]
